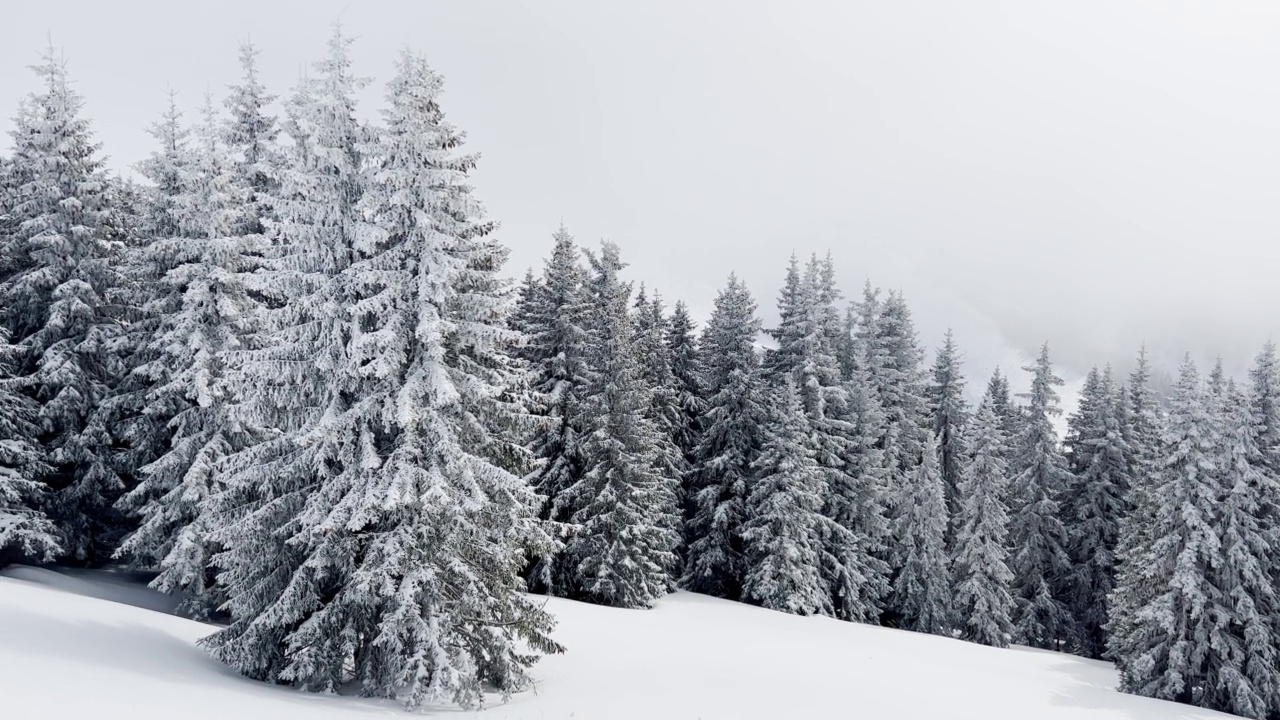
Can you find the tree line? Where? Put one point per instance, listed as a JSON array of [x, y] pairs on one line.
[[287, 374]]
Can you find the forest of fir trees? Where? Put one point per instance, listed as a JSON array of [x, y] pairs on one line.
[[287, 375]]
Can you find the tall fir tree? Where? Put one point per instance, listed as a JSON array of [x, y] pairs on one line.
[[784, 530], [1143, 433], [686, 370], [407, 550], [1264, 400], [555, 350], [1093, 504], [922, 585], [1172, 647], [59, 303], [983, 601], [623, 550], [1248, 683], [949, 414], [727, 448], [664, 412], [205, 271], [1040, 561]]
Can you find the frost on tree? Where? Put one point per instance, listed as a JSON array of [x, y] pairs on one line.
[[949, 413], [623, 550], [555, 327], [375, 541], [784, 530], [983, 602], [1093, 506], [25, 533], [249, 134], [206, 311], [1172, 647], [1040, 562], [686, 370], [1248, 637], [727, 447], [922, 585], [57, 302], [1143, 434]]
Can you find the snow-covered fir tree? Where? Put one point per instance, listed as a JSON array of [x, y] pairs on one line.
[[1248, 682], [922, 585], [59, 304], [1173, 646], [664, 411], [783, 534], [26, 534], [983, 603], [1092, 506], [1143, 432], [1009, 414], [205, 272], [728, 445], [1040, 561], [809, 340], [623, 549], [376, 541], [949, 413], [1264, 400], [250, 135], [555, 349], [686, 370]]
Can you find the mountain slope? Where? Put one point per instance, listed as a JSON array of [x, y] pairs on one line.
[[74, 645]]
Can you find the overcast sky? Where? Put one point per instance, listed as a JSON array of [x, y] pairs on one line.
[[1093, 174]]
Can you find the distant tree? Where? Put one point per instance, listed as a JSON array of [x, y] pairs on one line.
[[922, 585], [622, 551], [556, 346], [727, 447], [949, 413], [1040, 562], [1093, 505], [983, 603], [783, 535]]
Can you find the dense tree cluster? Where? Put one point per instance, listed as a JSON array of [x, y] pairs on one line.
[[287, 375]]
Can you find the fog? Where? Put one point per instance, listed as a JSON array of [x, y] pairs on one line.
[[1097, 175]]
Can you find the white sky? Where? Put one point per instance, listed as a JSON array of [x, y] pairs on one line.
[[1093, 173]]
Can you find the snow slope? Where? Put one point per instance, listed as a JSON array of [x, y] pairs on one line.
[[77, 645]]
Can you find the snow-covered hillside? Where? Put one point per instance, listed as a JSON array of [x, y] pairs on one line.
[[79, 646]]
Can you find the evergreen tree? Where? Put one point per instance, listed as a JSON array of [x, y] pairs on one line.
[[1010, 415], [783, 533], [1092, 507], [555, 350], [922, 585], [250, 136], [25, 532], [1040, 562], [664, 412], [686, 370], [1264, 400], [947, 405], [58, 304], [1142, 432], [1248, 683], [205, 272], [983, 603], [405, 553], [623, 550], [1173, 646], [727, 447]]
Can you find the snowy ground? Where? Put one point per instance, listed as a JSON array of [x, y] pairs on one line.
[[96, 646]]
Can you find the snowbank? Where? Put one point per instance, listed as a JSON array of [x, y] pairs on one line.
[[89, 645]]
